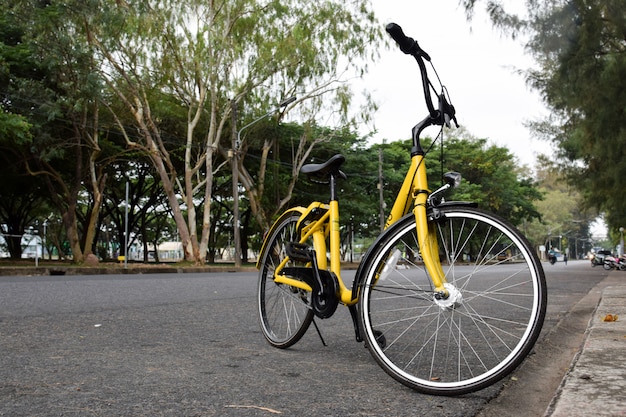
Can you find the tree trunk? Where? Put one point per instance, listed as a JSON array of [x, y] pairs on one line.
[[14, 241], [206, 218], [71, 228], [98, 195], [245, 232], [172, 199]]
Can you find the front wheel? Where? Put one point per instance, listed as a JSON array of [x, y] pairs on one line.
[[284, 311], [476, 336]]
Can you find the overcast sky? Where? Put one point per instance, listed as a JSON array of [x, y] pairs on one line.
[[477, 65]]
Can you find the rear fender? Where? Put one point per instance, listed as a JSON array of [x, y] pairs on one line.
[[287, 213]]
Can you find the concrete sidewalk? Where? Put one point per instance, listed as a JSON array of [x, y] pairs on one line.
[[595, 385]]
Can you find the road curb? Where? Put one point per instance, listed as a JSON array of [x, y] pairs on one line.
[[70, 270], [595, 383]]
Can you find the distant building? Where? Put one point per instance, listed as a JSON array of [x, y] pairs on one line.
[[171, 252]]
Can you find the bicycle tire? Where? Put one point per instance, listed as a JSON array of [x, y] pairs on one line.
[[453, 347], [284, 311]]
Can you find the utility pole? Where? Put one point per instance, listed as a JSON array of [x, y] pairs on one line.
[[235, 166]]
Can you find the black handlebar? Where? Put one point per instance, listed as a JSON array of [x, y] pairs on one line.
[[407, 45], [445, 113]]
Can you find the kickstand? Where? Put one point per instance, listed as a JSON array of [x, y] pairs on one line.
[[319, 333]]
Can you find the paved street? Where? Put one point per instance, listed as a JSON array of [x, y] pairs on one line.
[[189, 345]]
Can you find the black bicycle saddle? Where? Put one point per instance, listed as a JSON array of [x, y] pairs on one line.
[[326, 169]]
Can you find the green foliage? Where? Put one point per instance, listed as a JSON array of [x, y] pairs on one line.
[[581, 74], [562, 212], [583, 77], [22, 201], [492, 178], [14, 129], [167, 72]]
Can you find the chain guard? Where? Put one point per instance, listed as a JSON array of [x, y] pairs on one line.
[[324, 300]]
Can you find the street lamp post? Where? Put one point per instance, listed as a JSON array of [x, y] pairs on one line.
[[43, 249], [235, 162], [126, 228], [621, 241]]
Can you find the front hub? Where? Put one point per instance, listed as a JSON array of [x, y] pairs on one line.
[[454, 299]]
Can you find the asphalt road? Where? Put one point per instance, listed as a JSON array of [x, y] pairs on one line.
[[190, 345]]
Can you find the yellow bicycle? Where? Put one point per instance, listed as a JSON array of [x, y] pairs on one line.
[[449, 298]]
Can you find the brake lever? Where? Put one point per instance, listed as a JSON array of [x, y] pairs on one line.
[[448, 111], [449, 120]]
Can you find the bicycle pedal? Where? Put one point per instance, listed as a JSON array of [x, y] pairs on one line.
[[299, 252]]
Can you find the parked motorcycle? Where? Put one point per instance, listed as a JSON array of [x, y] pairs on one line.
[[612, 262], [619, 263], [596, 259]]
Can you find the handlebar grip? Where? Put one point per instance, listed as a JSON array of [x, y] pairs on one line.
[[407, 45]]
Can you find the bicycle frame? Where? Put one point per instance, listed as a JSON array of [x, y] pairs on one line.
[[414, 189]]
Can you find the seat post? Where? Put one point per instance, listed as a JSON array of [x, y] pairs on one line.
[[332, 182]]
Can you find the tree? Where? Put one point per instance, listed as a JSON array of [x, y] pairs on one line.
[[13, 127], [210, 55], [492, 178], [21, 204], [148, 212], [275, 153], [51, 85], [580, 49], [20, 195], [562, 212], [491, 175]]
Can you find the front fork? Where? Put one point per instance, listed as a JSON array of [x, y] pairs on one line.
[[427, 238], [429, 248]]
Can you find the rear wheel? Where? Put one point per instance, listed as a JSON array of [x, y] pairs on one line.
[[476, 336], [284, 311]]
